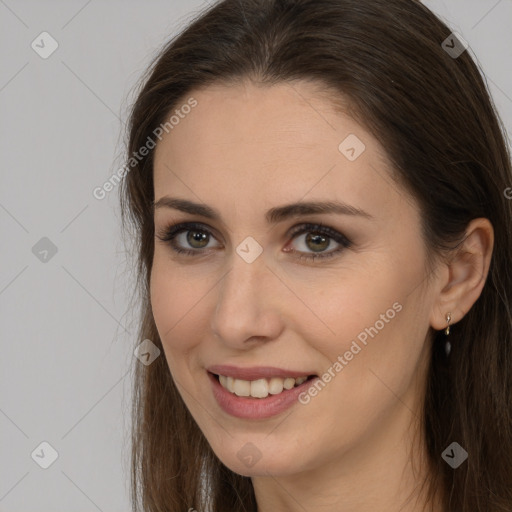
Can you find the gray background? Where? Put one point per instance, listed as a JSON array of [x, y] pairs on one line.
[[66, 337]]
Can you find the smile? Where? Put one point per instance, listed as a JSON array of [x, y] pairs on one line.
[[260, 388], [265, 404]]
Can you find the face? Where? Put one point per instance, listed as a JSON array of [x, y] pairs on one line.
[[337, 296]]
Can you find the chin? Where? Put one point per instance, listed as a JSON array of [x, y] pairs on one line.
[[254, 459], [274, 468]]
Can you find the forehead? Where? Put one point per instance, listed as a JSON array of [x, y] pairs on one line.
[[247, 116], [254, 146]]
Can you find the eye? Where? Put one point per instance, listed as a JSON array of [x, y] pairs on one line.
[[318, 238], [197, 237]]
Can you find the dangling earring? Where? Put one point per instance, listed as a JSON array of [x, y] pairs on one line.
[[448, 346]]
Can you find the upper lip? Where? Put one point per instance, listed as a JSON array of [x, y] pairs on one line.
[[256, 372]]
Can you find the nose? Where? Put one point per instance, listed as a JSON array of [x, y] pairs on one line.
[[248, 307]]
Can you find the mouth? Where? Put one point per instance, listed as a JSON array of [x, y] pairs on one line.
[[260, 388]]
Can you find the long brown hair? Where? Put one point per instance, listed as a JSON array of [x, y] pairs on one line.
[[433, 113]]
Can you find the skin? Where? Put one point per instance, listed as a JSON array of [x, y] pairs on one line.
[[245, 149]]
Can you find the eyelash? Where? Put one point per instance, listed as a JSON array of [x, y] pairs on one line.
[[170, 232]]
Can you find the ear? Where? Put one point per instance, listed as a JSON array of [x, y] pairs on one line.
[[467, 270]]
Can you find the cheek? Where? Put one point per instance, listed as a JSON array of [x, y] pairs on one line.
[[175, 302], [356, 302], [370, 321]]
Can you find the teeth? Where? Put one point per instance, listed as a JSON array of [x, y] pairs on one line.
[[229, 384], [289, 383], [275, 386], [260, 388], [242, 387]]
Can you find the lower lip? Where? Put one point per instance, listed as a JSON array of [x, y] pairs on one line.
[[256, 408]]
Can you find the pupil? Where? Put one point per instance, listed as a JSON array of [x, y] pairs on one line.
[[197, 236], [318, 239]]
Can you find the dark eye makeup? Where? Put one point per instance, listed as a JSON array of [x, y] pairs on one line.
[[169, 233]]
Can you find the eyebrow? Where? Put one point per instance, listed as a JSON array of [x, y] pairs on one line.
[[273, 216]]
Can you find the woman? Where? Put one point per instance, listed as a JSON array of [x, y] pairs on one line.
[[318, 190]]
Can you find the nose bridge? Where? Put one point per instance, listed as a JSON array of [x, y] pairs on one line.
[[241, 286], [243, 308]]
